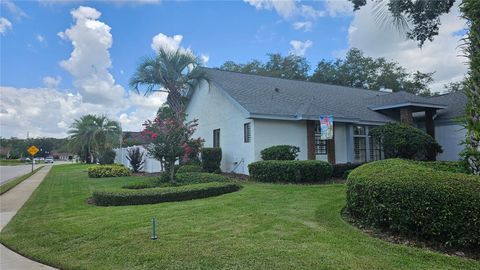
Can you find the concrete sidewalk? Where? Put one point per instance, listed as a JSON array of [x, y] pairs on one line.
[[10, 203]]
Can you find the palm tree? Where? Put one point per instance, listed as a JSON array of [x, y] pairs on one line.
[[423, 17], [91, 136], [174, 72]]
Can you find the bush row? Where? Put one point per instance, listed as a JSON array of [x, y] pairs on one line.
[[189, 168], [409, 198], [290, 171], [280, 152], [341, 169], [98, 171], [211, 158], [116, 197]]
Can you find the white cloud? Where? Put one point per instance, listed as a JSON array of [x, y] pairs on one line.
[[90, 61], [168, 43], [51, 82], [47, 112], [300, 47], [204, 58], [287, 8], [305, 26], [442, 55], [17, 12], [40, 38], [4, 25], [339, 7]]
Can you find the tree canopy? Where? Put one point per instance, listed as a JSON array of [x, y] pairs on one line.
[[356, 70], [286, 67]]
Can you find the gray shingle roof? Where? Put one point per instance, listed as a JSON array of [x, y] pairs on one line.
[[402, 97], [290, 99], [455, 105], [261, 95]]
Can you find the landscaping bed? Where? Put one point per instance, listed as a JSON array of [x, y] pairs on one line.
[[263, 226]]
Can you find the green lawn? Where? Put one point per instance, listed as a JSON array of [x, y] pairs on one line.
[[14, 182], [263, 226]]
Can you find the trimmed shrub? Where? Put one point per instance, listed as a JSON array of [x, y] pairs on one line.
[[447, 166], [195, 178], [346, 173], [189, 168], [157, 195], [99, 171], [108, 157], [142, 184], [411, 199], [400, 140], [290, 171], [340, 168], [280, 152], [135, 157], [211, 158]]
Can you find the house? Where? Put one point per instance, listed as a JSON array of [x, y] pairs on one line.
[[244, 114]]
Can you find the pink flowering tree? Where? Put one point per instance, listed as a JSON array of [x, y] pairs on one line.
[[169, 136]]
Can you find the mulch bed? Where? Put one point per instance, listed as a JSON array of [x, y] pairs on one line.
[[409, 241]]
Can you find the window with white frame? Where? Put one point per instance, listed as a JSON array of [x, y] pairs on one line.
[[364, 147], [247, 133], [320, 145]]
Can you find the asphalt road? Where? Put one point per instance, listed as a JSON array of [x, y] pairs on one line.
[[10, 172]]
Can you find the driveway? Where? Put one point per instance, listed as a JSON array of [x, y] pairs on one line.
[[10, 172]]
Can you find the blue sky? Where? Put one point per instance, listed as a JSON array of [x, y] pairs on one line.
[[61, 59], [223, 30]]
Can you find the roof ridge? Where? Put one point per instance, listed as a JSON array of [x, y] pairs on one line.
[[294, 80]]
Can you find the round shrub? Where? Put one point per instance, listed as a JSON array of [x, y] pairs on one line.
[[412, 199], [280, 152], [113, 197], [189, 168], [211, 158], [290, 171], [99, 171], [400, 140]]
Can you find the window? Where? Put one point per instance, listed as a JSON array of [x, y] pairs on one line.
[[360, 143], [246, 133], [216, 138], [375, 150], [320, 145]]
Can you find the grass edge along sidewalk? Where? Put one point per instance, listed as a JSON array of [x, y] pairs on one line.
[[15, 181]]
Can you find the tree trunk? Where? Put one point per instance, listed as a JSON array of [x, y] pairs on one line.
[[471, 12], [174, 100]]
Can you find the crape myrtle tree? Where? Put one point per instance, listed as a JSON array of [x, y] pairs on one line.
[[171, 71], [169, 136], [421, 18]]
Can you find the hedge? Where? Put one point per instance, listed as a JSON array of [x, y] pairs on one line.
[[448, 166], [211, 158], [290, 171], [115, 197], [280, 152], [412, 199], [340, 169], [189, 168], [99, 171]]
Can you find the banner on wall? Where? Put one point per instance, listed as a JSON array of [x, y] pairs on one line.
[[326, 127]]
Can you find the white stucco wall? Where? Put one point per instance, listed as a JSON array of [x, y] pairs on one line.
[[450, 137], [150, 165], [215, 110], [274, 132]]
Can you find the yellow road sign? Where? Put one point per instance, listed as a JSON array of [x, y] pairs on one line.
[[32, 150]]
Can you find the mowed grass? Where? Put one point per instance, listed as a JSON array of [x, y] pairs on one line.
[[262, 226]]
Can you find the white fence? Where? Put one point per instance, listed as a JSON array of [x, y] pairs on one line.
[[150, 165]]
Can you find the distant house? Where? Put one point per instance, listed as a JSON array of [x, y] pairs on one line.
[[244, 114], [64, 156]]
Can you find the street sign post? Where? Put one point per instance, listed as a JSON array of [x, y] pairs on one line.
[[32, 150]]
